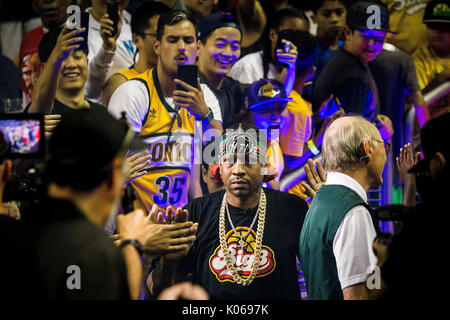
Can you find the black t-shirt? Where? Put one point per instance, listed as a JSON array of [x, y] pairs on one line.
[[349, 80], [417, 252], [277, 277], [230, 99], [66, 238], [61, 108]]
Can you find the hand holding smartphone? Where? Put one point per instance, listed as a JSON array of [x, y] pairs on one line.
[[85, 34], [283, 46], [113, 15], [187, 73]]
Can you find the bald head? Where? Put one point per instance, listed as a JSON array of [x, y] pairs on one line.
[[343, 141]]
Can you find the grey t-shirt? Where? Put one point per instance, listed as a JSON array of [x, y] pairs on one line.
[[395, 76]]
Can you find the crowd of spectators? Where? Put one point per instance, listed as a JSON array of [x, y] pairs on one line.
[[145, 170]]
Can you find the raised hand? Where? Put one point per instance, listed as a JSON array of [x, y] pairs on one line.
[[289, 58], [106, 32], [68, 40], [316, 178], [385, 126], [405, 161], [192, 99], [135, 163], [50, 123]]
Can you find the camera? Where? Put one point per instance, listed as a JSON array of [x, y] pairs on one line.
[[392, 212], [25, 144], [24, 134], [395, 213], [29, 186]]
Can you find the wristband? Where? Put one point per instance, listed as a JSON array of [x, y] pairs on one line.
[[208, 118], [312, 147], [133, 242]]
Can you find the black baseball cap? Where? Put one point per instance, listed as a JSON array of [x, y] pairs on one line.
[[361, 16], [91, 137], [433, 138], [215, 21], [262, 92], [437, 11]]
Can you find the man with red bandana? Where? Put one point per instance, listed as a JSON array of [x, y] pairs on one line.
[[247, 234]]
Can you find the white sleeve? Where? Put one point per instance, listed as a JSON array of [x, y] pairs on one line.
[[238, 73], [352, 247], [244, 70], [212, 102], [133, 98], [99, 67]]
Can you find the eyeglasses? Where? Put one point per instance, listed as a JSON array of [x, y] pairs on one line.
[[387, 146]]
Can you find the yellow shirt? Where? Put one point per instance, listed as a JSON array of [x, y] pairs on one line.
[[276, 158], [297, 127], [276, 161], [167, 179], [129, 73], [428, 65], [405, 17]]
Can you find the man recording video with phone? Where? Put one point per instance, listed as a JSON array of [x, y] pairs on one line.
[[167, 117], [111, 47], [60, 86]]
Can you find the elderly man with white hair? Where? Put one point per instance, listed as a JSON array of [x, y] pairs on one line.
[[339, 229]]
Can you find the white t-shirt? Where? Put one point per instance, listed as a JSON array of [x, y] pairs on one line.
[[352, 246], [133, 98], [249, 69]]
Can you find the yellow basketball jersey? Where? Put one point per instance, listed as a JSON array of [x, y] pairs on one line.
[[276, 160], [405, 17], [129, 73], [168, 175]]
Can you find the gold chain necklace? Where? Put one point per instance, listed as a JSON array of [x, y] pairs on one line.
[[259, 235]]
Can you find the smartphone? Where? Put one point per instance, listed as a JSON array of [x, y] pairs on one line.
[[187, 73], [113, 14], [24, 134], [84, 23], [283, 35]]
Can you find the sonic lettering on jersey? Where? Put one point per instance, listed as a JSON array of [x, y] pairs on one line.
[[242, 258], [177, 153]]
